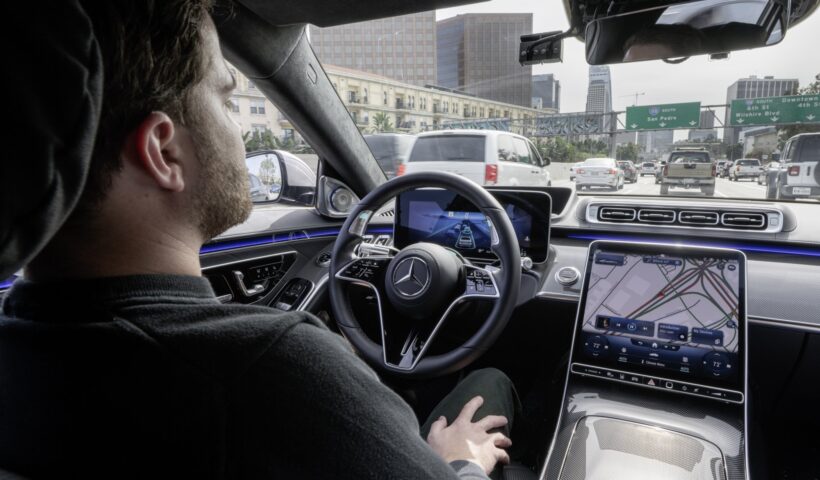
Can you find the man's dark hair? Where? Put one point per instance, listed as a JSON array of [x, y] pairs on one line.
[[153, 56]]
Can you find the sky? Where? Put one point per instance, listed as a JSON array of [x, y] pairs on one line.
[[697, 79]]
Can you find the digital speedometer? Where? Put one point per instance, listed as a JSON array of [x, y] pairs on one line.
[[446, 219]]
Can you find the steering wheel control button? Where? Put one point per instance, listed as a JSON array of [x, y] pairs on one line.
[[365, 269], [479, 282], [567, 276], [411, 277]]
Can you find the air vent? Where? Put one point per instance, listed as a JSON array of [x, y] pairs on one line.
[[744, 220], [616, 214], [652, 215], [698, 217], [684, 216]]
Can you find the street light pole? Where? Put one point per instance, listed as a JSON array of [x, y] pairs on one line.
[[636, 95]]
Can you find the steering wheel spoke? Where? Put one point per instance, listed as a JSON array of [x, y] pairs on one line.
[[404, 342]]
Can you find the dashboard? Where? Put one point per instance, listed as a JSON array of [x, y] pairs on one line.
[[280, 257], [768, 297]]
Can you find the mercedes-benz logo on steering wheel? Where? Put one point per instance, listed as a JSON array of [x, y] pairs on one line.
[[411, 277]]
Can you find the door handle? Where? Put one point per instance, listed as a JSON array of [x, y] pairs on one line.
[[248, 292]]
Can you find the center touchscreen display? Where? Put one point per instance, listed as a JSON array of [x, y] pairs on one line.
[[664, 311]]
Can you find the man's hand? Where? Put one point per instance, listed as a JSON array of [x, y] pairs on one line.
[[465, 440]]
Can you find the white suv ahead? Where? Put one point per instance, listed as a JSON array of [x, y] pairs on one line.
[[799, 175], [484, 156]]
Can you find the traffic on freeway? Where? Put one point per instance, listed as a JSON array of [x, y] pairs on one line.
[[724, 188]]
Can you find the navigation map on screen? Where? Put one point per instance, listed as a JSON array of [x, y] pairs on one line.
[[664, 312]]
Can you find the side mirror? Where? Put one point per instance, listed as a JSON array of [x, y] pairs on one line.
[[281, 177], [265, 175]]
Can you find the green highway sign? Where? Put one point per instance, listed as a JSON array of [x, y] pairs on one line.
[[654, 117], [775, 110]]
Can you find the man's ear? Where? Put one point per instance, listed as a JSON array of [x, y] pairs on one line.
[[157, 150]]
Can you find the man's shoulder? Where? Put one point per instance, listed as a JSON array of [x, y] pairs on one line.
[[226, 339]]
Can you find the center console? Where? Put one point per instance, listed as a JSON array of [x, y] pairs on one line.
[[656, 385]]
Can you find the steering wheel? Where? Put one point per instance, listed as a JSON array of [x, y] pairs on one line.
[[418, 287]]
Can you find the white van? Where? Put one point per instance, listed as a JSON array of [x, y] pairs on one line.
[[390, 150], [486, 157]]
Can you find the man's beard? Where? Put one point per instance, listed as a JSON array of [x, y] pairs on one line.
[[222, 199]]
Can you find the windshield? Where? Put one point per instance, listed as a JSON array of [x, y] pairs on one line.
[[450, 148], [457, 68]]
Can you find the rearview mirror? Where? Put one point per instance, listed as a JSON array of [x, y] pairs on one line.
[[684, 29]]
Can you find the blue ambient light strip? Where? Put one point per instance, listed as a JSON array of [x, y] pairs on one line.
[[282, 237]]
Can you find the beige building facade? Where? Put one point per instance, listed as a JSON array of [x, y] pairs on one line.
[[408, 108], [413, 109], [253, 112]]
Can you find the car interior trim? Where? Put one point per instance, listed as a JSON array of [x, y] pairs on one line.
[[278, 238], [662, 379], [744, 247]]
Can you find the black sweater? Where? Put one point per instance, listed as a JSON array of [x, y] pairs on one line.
[[150, 376]]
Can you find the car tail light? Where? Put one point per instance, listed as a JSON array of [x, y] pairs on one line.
[[402, 170], [579, 171], [665, 170], [714, 170], [794, 170], [490, 174], [613, 171], [737, 168]]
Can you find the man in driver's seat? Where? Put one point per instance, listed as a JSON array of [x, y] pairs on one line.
[[117, 360]]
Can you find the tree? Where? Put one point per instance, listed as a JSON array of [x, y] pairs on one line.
[[556, 149], [256, 140], [758, 154], [381, 123], [265, 140], [268, 173], [789, 131], [733, 152], [627, 152]]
